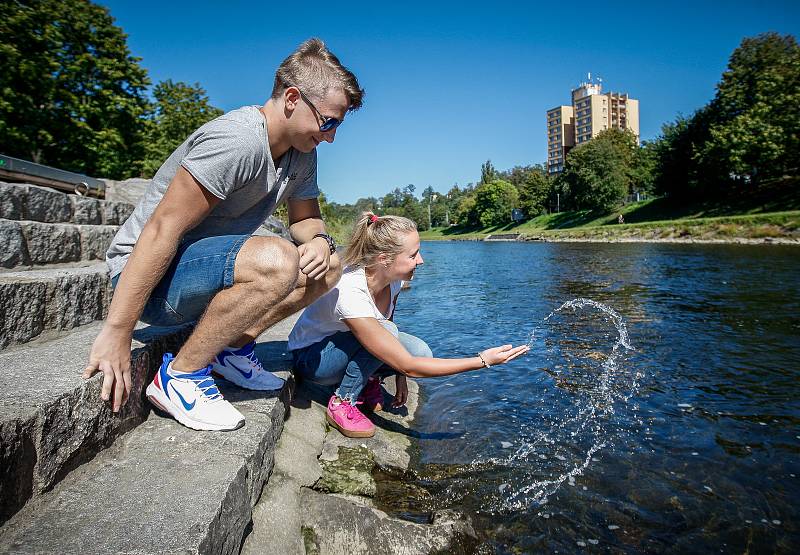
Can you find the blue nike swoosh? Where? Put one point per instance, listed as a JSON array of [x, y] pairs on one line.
[[247, 375], [186, 405]]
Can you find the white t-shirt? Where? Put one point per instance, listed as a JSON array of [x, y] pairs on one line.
[[349, 299]]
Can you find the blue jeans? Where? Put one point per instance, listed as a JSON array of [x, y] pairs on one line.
[[200, 270], [340, 359]]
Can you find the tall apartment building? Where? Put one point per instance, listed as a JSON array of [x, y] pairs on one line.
[[590, 113]]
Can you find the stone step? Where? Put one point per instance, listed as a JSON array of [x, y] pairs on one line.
[[52, 420], [52, 299], [26, 243], [40, 204], [163, 488]]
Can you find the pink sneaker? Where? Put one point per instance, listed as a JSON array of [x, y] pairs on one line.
[[348, 419], [372, 395]]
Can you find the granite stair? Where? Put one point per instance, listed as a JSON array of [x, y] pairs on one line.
[[78, 478]]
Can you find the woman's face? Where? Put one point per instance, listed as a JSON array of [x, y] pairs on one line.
[[407, 259]]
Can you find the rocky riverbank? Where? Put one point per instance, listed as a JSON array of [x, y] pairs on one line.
[[321, 495], [677, 238]]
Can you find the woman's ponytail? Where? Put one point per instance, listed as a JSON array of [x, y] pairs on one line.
[[374, 235]]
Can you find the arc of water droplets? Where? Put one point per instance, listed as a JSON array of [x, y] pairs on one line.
[[541, 490]]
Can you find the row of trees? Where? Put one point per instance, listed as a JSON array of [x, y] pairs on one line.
[[73, 96], [487, 202]]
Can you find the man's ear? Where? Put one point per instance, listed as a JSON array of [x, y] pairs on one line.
[[291, 97]]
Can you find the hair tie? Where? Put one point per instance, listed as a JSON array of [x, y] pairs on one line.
[[373, 218]]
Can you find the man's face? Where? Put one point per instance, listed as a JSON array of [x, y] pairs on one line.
[[305, 121]]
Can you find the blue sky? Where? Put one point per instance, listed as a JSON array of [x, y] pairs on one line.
[[450, 85]]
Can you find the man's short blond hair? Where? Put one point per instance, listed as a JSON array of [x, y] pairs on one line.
[[315, 70]]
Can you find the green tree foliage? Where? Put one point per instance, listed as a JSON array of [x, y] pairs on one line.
[[756, 129], [598, 174], [179, 109], [71, 94], [534, 193], [466, 213], [402, 202], [519, 175], [643, 169], [749, 132], [494, 202], [676, 170], [488, 173]]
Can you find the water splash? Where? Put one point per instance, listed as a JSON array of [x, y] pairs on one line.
[[564, 442]]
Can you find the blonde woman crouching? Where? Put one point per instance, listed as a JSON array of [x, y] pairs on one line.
[[347, 337]]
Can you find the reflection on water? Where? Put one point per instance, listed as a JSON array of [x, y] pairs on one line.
[[689, 443]]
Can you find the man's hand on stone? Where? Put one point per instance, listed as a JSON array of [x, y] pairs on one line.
[[315, 258], [111, 355]]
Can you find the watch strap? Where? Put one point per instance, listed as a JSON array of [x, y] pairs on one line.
[[329, 239]]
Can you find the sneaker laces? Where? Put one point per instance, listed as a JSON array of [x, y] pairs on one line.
[[205, 383], [254, 361], [351, 412]]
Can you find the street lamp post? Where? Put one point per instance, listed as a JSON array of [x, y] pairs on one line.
[[431, 198]]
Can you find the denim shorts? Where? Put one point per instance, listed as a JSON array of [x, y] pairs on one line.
[[200, 270]]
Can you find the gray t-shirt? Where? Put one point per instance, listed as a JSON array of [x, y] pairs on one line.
[[230, 157]]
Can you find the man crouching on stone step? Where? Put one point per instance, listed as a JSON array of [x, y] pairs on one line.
[[187, 252]]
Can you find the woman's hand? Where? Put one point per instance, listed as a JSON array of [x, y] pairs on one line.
[[502, 354], [401, 396]]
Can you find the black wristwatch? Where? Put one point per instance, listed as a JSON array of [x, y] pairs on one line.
[[329, 239]]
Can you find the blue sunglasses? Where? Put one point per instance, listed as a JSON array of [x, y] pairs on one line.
[[328, 122]]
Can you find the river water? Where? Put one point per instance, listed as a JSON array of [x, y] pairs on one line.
[[660, 414]]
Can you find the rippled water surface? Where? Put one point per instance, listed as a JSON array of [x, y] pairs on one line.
[[658, 415]]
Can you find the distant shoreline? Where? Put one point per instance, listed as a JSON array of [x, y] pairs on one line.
[[670, 240]]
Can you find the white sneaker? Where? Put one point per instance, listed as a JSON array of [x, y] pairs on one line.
[[242, 367], [192, 398]]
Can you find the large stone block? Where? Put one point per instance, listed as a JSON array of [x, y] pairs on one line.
[[54, 299], [77, 299], [95, 241], [12, 199], [129, 191], [86, 210], [209, 483], [51, 243], [333, 525], [349, 471], [13, 251], [17, 459], [52, 420], [116, 212], [23, 305], [46, 205]]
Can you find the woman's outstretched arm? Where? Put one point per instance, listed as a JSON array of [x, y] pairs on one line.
[[385, 346]]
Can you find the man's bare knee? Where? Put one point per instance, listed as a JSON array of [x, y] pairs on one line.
[[268, 261]]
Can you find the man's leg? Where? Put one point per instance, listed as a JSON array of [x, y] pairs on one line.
[[265, 274], [306, 291]]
